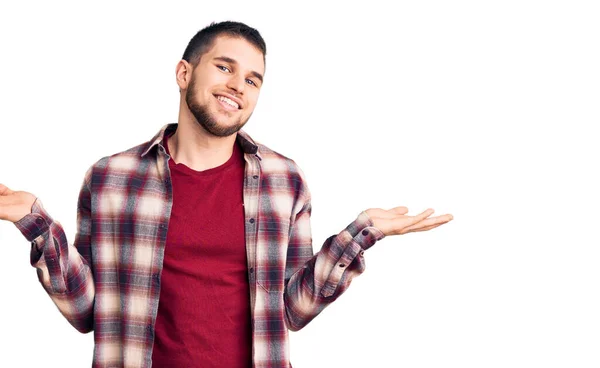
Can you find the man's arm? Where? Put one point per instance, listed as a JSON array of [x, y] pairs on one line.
[[64, 270], [313, 282]]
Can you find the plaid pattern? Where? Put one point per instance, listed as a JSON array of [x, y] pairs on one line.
[[109, 279]]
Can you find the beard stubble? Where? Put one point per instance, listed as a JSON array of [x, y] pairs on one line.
[[206, 119]]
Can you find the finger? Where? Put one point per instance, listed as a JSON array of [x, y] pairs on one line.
[[404, 222], [4, 190], [426, 228], [432, 226], [432, 221], [400, 210], [381, 213], [420, 217]]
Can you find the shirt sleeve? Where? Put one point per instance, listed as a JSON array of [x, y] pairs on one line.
[[64, 270], [317, 280]]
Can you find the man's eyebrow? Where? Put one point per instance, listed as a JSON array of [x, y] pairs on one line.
[[229, 60], [226, 59]]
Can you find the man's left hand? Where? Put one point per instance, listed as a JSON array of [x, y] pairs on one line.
[[396, 222]]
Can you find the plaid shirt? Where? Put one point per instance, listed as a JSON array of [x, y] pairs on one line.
[[109, 279]]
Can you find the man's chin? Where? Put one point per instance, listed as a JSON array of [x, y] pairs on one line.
[[216, 123], [219, 129]]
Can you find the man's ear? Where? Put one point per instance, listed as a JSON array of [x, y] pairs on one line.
[[183, 74]]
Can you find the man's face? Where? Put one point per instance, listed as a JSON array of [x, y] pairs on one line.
[[225, 84]]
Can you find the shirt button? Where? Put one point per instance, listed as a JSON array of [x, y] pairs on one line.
[[255, 176], [251, 220], [362, 253], [365, 232], [342, 265], [251, 269], [39, 220]]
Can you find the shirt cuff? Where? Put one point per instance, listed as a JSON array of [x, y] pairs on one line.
[[363, 232], [35, 223]]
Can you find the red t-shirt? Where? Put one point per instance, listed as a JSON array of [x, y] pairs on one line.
[[204, 307]]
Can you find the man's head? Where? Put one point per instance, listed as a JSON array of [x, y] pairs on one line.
[[221, 74]]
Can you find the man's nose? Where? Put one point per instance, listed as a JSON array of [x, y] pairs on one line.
[[237, 83]]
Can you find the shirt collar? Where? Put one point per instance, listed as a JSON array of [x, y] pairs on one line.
[[246, 142]]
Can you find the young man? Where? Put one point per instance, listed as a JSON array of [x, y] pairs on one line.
[[194, 249]]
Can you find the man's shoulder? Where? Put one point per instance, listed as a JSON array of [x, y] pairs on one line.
[[282, 171], [128, 158], [118, 169], [134, 157], [273, 161]]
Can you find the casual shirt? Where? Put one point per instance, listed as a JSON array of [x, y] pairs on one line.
[[108, 279]]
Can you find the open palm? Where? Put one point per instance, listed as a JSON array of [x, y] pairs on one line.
[[396, 222]]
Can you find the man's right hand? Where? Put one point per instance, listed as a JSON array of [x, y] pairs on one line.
[[14, 205]]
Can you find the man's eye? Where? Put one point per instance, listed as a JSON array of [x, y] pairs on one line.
[[223, 68], [250, 82]]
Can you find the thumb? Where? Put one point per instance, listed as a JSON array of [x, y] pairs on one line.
[[400, 210], [4, 190]]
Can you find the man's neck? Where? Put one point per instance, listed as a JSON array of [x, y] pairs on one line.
[[197, 149]]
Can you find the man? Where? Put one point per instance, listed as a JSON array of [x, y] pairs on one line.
[[194, 249]]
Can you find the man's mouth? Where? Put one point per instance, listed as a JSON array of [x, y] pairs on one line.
[[227, 102]]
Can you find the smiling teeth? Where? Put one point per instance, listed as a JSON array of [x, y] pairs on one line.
[[228, 101]]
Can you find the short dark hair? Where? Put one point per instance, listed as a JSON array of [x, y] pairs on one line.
[[204, 39]]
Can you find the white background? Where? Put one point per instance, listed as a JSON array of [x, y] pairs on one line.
[[482, 109]]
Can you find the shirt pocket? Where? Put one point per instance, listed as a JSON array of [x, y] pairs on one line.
[[271, 253]]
